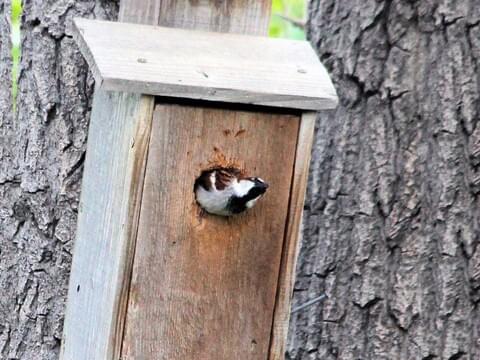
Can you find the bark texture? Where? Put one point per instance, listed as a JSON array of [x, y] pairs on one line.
[[5, 72], [391, 230], [41, 159]]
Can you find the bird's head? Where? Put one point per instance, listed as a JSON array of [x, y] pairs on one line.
[[250, 188], [226, 192]]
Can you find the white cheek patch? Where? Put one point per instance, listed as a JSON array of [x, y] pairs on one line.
[[243, 187], [251, 203]]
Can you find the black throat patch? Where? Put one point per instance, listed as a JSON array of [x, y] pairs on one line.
[[237, 204]]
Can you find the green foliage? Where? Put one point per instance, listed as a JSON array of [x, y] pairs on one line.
[[16, 9], [16, 14], [291, 9]]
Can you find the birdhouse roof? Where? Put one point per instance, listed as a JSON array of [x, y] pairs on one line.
[[204, 65]]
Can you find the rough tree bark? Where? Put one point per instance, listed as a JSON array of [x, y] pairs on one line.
[[392, 217], [41, 157]]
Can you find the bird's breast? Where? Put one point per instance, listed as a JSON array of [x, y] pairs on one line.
[[213, 201]]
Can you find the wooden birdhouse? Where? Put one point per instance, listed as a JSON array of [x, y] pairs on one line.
[[153, 276]]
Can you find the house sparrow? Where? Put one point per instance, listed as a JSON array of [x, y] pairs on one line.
[[225, 192]]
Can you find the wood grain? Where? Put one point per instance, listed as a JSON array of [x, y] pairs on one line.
[[292, 237], [208, 66], [107, 221], [205, 287], [228, 16]]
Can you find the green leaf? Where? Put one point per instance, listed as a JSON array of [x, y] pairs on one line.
[[16, 10], [15, 16], [294, 9]]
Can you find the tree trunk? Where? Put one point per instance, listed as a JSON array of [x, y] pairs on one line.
[[391, 227], [41, 158]]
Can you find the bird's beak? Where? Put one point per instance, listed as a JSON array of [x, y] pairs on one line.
[[262, 186]]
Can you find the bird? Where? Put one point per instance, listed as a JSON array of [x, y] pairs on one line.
[[226, 192]]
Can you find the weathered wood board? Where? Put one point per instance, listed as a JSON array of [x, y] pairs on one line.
[[204, 287], [292, 237], [205, 65], [233, 16], [107, 223]]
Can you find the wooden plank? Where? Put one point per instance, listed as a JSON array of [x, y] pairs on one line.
[[292, 237], [109, 209], [202, 65], [205, 287], [232, 16]]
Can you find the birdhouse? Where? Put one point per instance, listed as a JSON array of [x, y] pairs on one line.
[[155, 276]]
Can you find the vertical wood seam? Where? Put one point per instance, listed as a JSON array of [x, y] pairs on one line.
[[136, 194], [294, 219], [125, 294], [284, 245]]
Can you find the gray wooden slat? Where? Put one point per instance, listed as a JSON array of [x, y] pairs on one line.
[[232, 16], [204, 65], [292, 237], [109, 208]]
